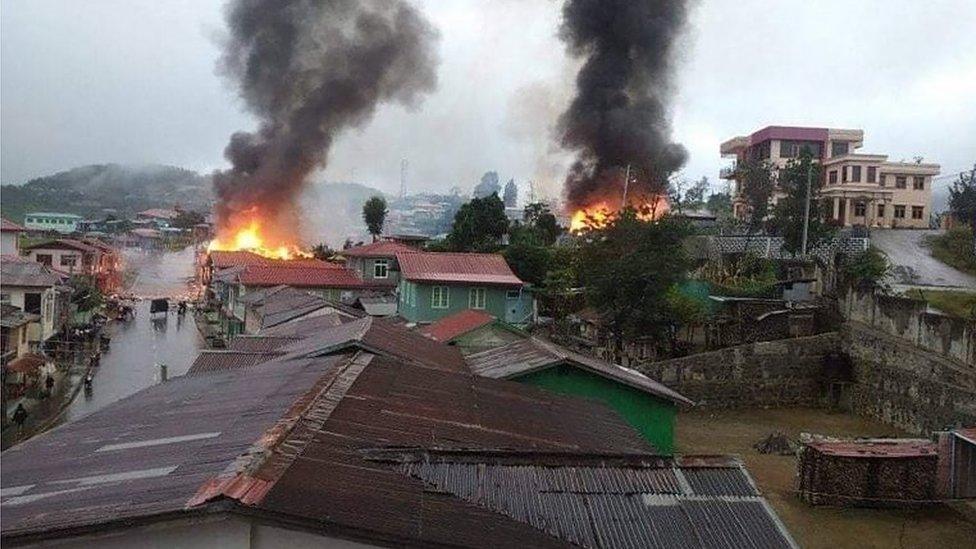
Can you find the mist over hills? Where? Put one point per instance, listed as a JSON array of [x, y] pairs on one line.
[[332, 209], [100, 189]]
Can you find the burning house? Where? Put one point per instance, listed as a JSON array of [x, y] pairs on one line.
[[617, 123]]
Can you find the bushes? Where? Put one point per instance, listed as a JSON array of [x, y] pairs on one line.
[[955, 248], [867, 269]]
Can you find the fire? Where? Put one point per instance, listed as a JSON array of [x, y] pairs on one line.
[[249, 238], [599, 214]]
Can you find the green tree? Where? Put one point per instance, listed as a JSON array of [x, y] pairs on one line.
[[788, 215], [538, 216], [756, 178], [322, 251], [510, 198], [867, 269], [478, 225], [720, 204], [528, 255], [374, 214], [627, 268], [962, 199], [695, 195]]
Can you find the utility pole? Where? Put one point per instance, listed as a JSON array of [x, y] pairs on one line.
[[626, 184], [806, 209]]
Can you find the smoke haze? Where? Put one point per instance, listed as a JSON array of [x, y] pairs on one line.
[[619, 115], [309, 70]]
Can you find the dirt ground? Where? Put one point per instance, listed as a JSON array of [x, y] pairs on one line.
[[734, 432]]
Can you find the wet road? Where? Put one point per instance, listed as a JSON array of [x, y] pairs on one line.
[[139, 346], [913, 264]]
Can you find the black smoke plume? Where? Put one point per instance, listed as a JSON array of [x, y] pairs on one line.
[[309, 69], [619, 116]]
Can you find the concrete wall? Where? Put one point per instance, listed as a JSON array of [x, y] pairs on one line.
[[904, 385], [788, 372], [907, 319]]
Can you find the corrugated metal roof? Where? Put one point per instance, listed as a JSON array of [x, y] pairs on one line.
[[382, 336], [26, 364], [384, 305], [457, 324], [9, 226], [302, 327], [877, 448], [228, 359], [63, 243], [969, 433], [224, 259], [459, 268], [608, 501], [258, 343], [149, 453], [383, 248], [18, 272], [286, 304], [534, 354]]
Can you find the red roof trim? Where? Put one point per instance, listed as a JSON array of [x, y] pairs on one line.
[[457, 324]]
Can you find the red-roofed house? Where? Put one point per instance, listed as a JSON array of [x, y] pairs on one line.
[[472, 331], [435, 285], [76, 257], [376, 262], [10, 235]]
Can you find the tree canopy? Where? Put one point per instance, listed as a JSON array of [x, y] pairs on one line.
[[478, 225], [374, 214], [628, 268], [540, 217], [510, 198], [788, 215], [186, 219], [962, 198], [756, 178]]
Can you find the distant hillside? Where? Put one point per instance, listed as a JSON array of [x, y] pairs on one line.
[[93, 191]]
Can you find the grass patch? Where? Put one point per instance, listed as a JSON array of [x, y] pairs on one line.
[[955, 249], [960, 304]]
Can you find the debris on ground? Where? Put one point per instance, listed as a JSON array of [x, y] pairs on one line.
[[776, 443]]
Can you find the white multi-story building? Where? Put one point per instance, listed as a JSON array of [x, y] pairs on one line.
[[858, 189]]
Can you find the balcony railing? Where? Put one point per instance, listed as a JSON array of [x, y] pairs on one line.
[[727, 172]]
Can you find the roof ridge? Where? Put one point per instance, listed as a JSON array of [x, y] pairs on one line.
[[248, 478]]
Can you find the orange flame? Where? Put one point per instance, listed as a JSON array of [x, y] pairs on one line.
[[249, 238], [599, 214]]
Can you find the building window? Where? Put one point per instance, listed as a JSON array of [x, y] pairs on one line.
[[918, 183], [69, 260], [32, 303], [881, 210], [793, 149], [381, 268], [918, 212], [881, 179], [440, 297], [476, 298], [843, 174], [856, 174], [860, 209], [839, 148], [899, 212], [5, 298], [872, 174], [43, 259], [833, 176], [901, 182], [513, 294]]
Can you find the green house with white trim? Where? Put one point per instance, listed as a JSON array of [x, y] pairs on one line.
[[648, 406], [434, 285]]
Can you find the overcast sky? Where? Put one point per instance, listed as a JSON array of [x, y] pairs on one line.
[[133, 81]]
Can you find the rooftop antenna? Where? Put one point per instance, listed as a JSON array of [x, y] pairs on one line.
[[403, 178]]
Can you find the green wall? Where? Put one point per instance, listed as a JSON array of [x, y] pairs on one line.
[[415, 302], [652, 417]]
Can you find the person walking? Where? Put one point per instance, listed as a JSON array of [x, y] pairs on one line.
[[20, 416]]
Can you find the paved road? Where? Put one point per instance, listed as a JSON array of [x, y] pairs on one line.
[[912, 263], [138, 346]]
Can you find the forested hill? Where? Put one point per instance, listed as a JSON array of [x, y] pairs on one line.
[[96, 190]]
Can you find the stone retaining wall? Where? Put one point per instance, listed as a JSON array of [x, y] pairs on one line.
[[782, 373]]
